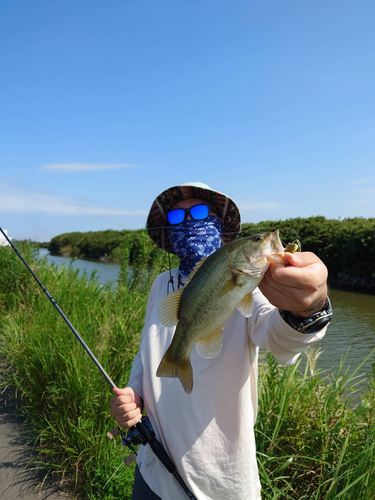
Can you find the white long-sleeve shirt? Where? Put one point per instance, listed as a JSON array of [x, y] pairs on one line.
[[209, 434]]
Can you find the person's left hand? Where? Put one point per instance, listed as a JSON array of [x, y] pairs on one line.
[[299, 286]]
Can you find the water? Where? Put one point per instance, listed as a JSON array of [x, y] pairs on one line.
[[352, 326], [104, 272]]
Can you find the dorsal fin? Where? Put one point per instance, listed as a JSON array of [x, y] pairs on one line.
[[168, 308], [194, 271]]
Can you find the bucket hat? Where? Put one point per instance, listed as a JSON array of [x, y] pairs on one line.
[[157, 222]]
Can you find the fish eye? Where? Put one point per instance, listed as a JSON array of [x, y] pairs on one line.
[[257, 239]]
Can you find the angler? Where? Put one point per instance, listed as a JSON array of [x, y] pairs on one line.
[[209, 432]]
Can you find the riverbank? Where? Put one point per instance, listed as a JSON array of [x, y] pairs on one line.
[[313, 440], [347, 283]]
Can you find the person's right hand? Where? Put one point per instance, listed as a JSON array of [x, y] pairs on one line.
[[126, 407]]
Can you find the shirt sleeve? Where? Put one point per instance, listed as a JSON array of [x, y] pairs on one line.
[[268, 330], [136, 374]]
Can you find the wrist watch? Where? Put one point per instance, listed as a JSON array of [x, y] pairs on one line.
[[312, 324]]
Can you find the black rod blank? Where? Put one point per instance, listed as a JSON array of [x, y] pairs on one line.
[[57, 307]]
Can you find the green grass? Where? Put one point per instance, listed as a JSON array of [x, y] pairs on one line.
[[64, 395], [315, 434], [313, 442]]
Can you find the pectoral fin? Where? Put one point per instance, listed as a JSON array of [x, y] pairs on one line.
[[228, 287], [168, 308], [210, 346], [235, 281], [246, 305]]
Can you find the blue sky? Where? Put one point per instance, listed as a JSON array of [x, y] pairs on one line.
[[104, 104]]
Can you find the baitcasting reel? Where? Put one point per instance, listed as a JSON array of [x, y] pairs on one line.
[[142, 433]]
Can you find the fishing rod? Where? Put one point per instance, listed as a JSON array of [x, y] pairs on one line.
[[142, 433]]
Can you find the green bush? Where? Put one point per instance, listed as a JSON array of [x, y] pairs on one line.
[[345, 246]]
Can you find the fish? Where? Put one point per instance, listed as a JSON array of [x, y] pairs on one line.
[[217, 286]]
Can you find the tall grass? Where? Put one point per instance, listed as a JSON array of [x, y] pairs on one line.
[[313, 441], [64, 394]]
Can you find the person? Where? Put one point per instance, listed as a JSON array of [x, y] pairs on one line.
[[209, 434]]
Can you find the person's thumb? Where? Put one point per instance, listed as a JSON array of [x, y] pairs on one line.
[[127, 391], [301, 259]]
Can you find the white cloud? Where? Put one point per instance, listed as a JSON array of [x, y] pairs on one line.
[[252, 207], [22, 201], [85, 167]]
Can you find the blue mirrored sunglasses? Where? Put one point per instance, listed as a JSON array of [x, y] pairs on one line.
[[197, 212]]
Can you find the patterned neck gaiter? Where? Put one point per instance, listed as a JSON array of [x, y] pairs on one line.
[[194, 239]]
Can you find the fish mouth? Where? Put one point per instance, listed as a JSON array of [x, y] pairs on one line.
[[259, 263], [276, 244]]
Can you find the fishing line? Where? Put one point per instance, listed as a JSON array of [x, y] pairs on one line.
[[260, 228]]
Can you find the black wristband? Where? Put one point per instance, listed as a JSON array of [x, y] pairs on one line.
[[312, 324]]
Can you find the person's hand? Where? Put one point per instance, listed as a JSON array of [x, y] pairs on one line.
[[126, 407], [298, 286]]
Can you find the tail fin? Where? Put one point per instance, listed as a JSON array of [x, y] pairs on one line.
[[182, 370]]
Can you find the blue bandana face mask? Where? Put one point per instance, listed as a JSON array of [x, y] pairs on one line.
[[194, 239]]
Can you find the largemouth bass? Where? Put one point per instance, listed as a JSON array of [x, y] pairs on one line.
[[217, 286]]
